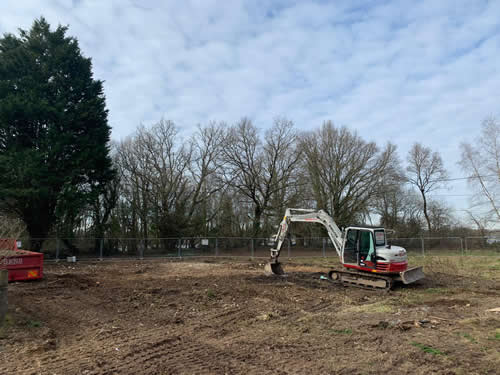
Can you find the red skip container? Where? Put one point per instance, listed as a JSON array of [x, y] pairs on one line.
[[21, 264]]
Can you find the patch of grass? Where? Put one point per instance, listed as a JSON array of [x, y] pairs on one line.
[[211, 294], [427, 349], [495, 337], [470, 321], [8, 322], [34, 323], [345, 331], [468, 337], [423, 296], [479, 265]]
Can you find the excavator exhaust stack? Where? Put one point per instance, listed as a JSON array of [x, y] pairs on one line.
[[273, 268]]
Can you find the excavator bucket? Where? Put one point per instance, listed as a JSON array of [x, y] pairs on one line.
[[411, 275], [273, 269]]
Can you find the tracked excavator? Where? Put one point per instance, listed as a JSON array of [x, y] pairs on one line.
[[368, 260]]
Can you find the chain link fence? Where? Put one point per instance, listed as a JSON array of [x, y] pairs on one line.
[[138, 248]]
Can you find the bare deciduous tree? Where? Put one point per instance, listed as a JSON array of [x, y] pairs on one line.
[[400, 209], [480, 221], [261, 170], [440, 216], [207, 146], [168, 181], [135, 187], [481, 162], [345, 172], [390, 198], [425, 171]]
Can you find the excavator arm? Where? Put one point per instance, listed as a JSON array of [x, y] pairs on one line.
[[304, 215]]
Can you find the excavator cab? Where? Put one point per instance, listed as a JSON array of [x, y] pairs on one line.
[[359, 248]]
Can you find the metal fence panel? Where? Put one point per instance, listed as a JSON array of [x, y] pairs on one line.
[[237, 246], [121, 247], [262, 247], [197, 246], [60, 248], [307, 247], [413, 246], [49, 246], [443, 246], [160, 247], [482, 245]]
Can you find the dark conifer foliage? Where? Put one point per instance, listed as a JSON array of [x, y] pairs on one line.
[[54, 133]]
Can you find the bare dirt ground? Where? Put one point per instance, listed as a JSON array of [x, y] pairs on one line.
[[195, 317]]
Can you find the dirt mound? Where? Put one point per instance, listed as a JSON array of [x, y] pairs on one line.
[[71, 280]]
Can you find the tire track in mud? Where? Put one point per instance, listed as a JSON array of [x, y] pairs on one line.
[[144, 346], [189, 347], [176, 354]]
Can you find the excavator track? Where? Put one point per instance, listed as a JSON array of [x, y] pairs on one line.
[[361, 280]]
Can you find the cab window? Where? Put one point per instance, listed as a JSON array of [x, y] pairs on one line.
[[380, 238], [351, 247], [366, 247]]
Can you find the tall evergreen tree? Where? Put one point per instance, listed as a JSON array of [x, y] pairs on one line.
[[54, 133]]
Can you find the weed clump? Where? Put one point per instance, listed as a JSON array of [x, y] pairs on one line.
[[428, 349], [211, 294], [346, 331]]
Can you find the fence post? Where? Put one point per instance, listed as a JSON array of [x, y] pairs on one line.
[[461, 246], [179, 244], [466, 249], [252, 248], [423, 248], [57, 249], [100, 249], [324, 248], [289, 250], [216, 247]]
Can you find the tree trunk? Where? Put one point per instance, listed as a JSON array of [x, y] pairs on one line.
[[425, 213], [38, 226], [256, 221]]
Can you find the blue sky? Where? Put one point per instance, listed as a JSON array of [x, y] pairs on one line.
[[404, 71]]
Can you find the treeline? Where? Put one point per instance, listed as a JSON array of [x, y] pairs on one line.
[[235, 180]]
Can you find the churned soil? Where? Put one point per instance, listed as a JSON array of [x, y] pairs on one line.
[[227, 317]]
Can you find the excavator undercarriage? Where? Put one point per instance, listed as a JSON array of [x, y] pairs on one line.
[[359, 279]]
